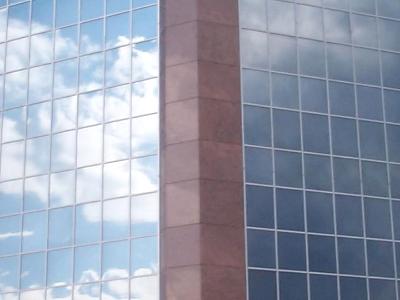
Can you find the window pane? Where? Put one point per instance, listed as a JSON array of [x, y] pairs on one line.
[[37, 156], [391, 69], [60, 227], [372, 140], [88, 223], [88, 184], [118, 63], [12, 161], [33, 265], [144, 252], [364, 30], [349, 215], [92, 36], [344, 137], [309, 21], [144, 24], [9, 268], [66, 12], [292, 286], [63, 151], [313, 95], [39, 118], [64, 114], [90, 145], [10, 197], [144, 175], [347, 175], [91, 9], [257, 123], [290, 212], [17, 54], [254, 49], [369, 102], [377, 218], [311, 58], [367, 66], [259, 206], [261, 249], [291, 251], [115, 263], [315, 133], [66, 42], [16, 89], [90, 109], [340, 63], [41, 48], [116, 219], [393, 136], [65, 78], [145, 132], [117, 103], [59, 268], [116, 140], [36, 193], [262, 284], [254, 14], [318, 172], [91, 70], [116, 179], [283, 53], [286, 129], [62, 188], [319, 212], [42, 15], [388, 34], [281, 18], [351, 256], [380, 258], [353, 288], [392, 106], [288, 169], [14, 124], [40, 83], [375, 179], [323, 287], [10, 229], [382, 289], [87, 264], [144, 60], [18, 20], [144, 215], [114, 6], [321, 254], [34, 232], [285, 91]]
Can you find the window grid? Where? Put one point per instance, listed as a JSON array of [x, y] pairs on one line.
[[271, 148], [137, 161]]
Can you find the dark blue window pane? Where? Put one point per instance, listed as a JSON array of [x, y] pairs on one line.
[[393, 136], [292, 286], [291, 251], [323, 287], [367, 66], [342, 100], [315, 133], [349, 215], [382, 289], [286, 129], [318, 172], [351, 256], [375, 178], [285, 91], [313, 95], [261, 248], [396, 218], [377, 218], [257, 126], [258, 165], [395, 177], [365, 6], [369, 102], [380, 258], [319, 212], [353, 288], [344, 137], [389, 8], [290, 209], [255, 87], [262, 285], [321, 254], [347, 175], [391, 69], [311, 58], [392, 106], [372, 140], [260, 206], [288, 169]]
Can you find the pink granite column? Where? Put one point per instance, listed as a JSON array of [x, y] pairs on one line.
[[202, 230]]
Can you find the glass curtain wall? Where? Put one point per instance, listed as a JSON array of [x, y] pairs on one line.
[[321, 113], [79, 149]]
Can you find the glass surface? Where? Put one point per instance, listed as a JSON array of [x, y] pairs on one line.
[[261, 249], [309, 22], [257, 161], [257, 126], [288, 169], [351, 256], [364, 30], [319, 212], [289, 207], [286, 129], [79, 102], [321, 253], [260, 206], [284, 91], [313, 95], [291, 251], [315, 133], [282, 51], [318, 172], [281, 17]]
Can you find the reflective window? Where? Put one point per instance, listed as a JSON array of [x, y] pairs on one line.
[[313, 95], [257, 160], [372, 140], [261, 251], [380, 258], [367, 66], [10, 229], [116, 219], [292, 285], [34, 232], [364, 30], [88, 223], [337, 26], [286, 129], [316, 133], [283, 53], [260, 206], [87, 264], [351, 256], [348, 215], [321, 253], [91, 39], [33, 266], [289, 207], [115, 260], [284, 91], [317, 171], [353, 288], [319, 212], [291, 251], [309, 21], [288, 169], [281, 17], [369, 101]]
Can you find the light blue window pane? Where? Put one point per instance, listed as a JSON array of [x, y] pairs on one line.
[[87, 291], [42, 15], [90, 145], [365, 6], [41, 48], [90, 107], [388, 34], [9, 271], [60, 227], [117, 30], [36, 192], [144, 215], [364, 31], [116, 219], [144, 257], [389, 8], [33, 267], [88, 186], [3, 24], [91, 9], [37, 156], [40, 83], [10, 197], [285, 91], [340, 64], [91, 70], [145, 97], [337, 26], [88, 223], [17, 54], [309, 21], [65, 78], [118, 64], [14, 124], [91, 36], [115, 260], [341, 4], [63, 151], [18, 20], [281, 17], [283, 53], [64, 113], [311, 58], [116, 140], [35, 232], [140, 3], [16, 89], [144, 24], [116, 179], [145, 142], [253, 14], [59, 293], [66, 42], [117, 103], [66, 12], [12, 160], [10, 231], [33, 294], [254, 49], [39, 117], [150, 281], [62, 188], [114, 6], [144, 60], [59, 267], [87, 264], [108, 290], [144, 175]]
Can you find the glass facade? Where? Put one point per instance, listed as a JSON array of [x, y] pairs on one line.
[[79, 149], [321, 108]]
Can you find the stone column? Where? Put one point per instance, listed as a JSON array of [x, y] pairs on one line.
[[202, 225]]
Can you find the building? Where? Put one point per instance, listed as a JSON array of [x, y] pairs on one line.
[[200, 149]]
